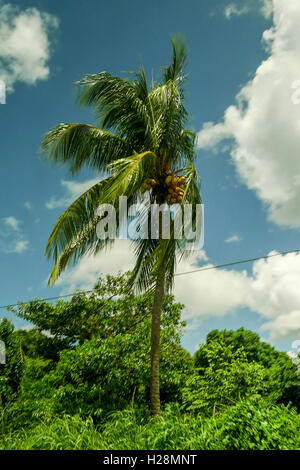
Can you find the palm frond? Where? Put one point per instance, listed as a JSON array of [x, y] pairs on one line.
[[119, 106], [75, 230], [169, 117], [129, 174], [82, 144], [174, 71]]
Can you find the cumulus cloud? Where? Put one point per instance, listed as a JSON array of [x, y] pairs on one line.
[[271, 290], [210, 293], [12, 240], [264, 123], [72, 190], [275, 294], [24, 44]]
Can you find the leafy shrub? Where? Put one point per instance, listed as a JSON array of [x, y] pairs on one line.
[[226, 379], [255, 426], [12, 371]]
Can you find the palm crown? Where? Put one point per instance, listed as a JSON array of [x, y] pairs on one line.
[[141, 145]]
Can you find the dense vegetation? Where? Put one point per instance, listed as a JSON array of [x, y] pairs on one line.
[[79, 379]]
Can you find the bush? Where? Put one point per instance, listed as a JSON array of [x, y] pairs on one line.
[[226, 379], [255, 426]]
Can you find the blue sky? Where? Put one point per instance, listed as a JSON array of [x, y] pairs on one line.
[[247, 154]]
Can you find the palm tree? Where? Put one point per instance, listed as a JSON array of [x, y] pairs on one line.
[[140, 146]]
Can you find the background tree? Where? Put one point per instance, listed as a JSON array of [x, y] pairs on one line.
[[102, 365], [255, 349], [106, 311], [281, 378], [225, 378], [144, 148]]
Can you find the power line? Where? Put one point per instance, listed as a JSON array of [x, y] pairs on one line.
[[238, 262], [233, 263], [49, 298]]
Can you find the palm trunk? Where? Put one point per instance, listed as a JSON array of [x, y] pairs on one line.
[[155, 344]]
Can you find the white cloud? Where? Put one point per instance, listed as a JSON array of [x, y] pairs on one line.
[[12, 222], [24, 44], [266, 8], [86, 272], [275, 294], [73, 190], [28, 205], [12, 239], [210, 293], [271, 290], [295, 356], [264, 124], [120, 258], [233, 239], [233, 10], [212, 134], [18, 246], [239, 8]]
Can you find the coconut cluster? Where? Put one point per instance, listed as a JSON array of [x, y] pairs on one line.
[[168, 185], [175, 185], [148, 184]]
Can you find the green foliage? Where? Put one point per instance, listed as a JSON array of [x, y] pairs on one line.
[[108, 374], [226, 379], [109, 310], [67, 433], [257, 426], [34, 401], [281, 380], [255, 349], [35, 344], [86, 385], [12, 371], [112, 370], [246, 426]]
